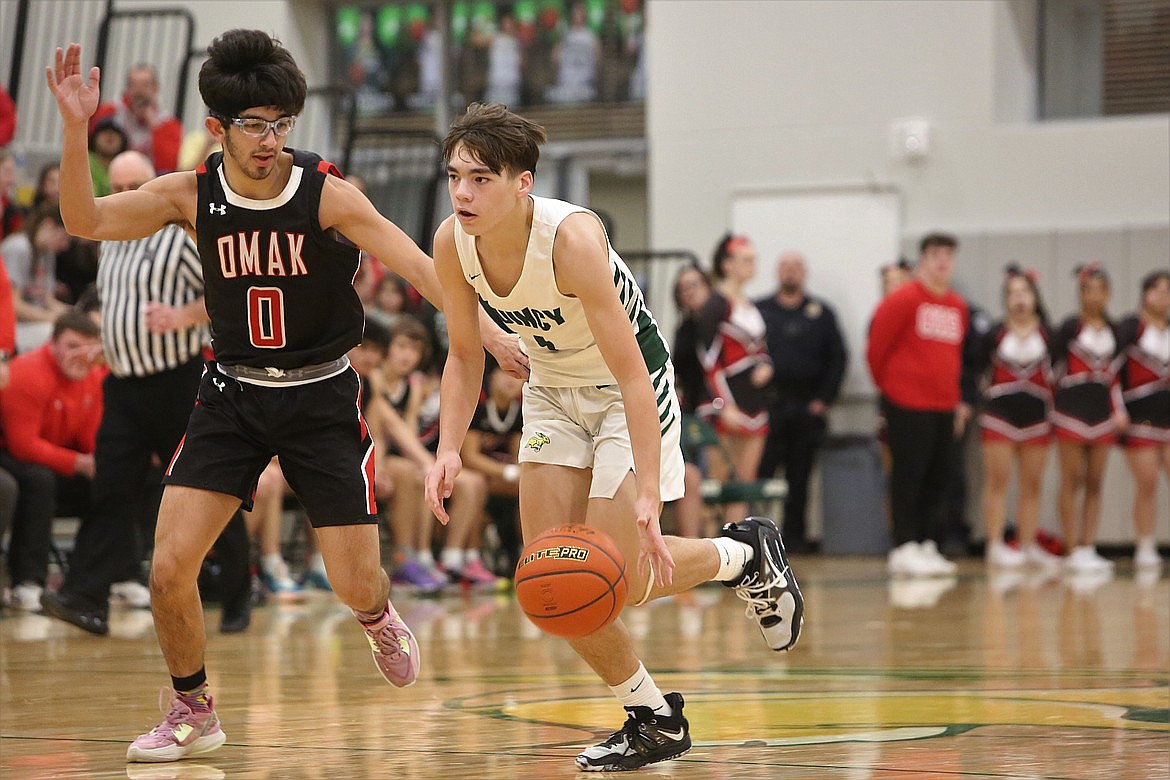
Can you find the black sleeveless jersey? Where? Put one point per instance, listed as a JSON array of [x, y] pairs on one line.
[[278, 288]]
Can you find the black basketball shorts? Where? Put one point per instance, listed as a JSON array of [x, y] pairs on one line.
[[316, 429]]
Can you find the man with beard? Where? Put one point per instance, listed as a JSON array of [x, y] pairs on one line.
[[808, 359]]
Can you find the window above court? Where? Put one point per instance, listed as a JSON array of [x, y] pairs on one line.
[[1103, 58]]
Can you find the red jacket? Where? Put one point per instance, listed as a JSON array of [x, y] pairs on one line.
[[165, 138], [915, 349], [7, 313], [7, 117], [45, 417]]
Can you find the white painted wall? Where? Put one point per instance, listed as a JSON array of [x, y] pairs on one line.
[[752, 94], [761, 95]]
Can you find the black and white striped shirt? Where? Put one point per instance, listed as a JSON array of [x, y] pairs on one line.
[[161, 268]]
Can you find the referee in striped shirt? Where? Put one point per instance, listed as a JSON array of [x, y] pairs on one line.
[[154, 326]]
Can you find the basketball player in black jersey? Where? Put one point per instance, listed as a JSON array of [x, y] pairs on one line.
[[278, 232]]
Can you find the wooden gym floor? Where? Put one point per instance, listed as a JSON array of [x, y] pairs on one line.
[[973, 677]]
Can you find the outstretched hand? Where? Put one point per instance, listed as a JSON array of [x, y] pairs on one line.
[[652, 547], [440, 482], [508, 350], [77, 98]]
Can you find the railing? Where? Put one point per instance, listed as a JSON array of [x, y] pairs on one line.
[[124, 36], [30, 30], [401, 172]]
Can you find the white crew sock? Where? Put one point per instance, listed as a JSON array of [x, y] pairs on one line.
[[640, 691], [734, 557], [272, 563], [451, 559]]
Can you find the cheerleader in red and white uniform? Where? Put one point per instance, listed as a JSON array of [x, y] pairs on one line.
[[1014, 420], [733, 350], [1145, 380], [1088, 412]]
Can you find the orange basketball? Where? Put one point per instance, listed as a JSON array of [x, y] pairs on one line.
[[571, 581]]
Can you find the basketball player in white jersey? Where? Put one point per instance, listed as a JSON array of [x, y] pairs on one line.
[[601, 420]]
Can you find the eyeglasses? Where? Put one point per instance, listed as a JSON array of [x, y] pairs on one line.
[[258, 128]]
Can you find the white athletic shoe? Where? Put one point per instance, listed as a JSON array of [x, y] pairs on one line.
[[907, 560], [1086, 560], [1038, 556], [1000, 556], [934, 559], [131, 593], [1146, 555], [27, 597]]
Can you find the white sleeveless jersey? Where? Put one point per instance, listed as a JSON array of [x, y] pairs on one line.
[[561, 348]]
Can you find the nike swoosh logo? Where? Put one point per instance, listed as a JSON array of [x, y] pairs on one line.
[[673, 734], [636, 687], [475, 276]]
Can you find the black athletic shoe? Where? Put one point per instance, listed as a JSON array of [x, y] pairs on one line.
[[767, 585], [73, 610], [645, 738]]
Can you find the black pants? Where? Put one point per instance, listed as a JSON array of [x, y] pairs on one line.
[[142, 417], [43, 494], [921, 452], [794, 437]]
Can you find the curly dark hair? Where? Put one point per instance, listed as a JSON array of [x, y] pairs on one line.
[[248, 68]]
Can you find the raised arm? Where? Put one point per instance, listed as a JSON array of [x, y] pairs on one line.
[[122, 216]]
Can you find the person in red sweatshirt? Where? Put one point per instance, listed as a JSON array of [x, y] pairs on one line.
[[8, 487], [915, 357], [49, 415], [149, 128]]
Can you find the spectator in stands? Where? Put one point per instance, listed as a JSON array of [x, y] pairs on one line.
[[576, 56], [390, 300], [955, 531], [406, 388], [49, 415], [505, 62], [1015, 420], [154, 326], [76, 267], [892, 276], [808, 360], [149, 128], [1088, 413], [11, 217], [692, 290], [7, 322], [915, 357], [31, 258], [461, 540], [265, 525], [48, 185], [734, 353], [8, 486], [7, 117], [1145, 379], [197, 146], [106, 141], [492, 448]]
